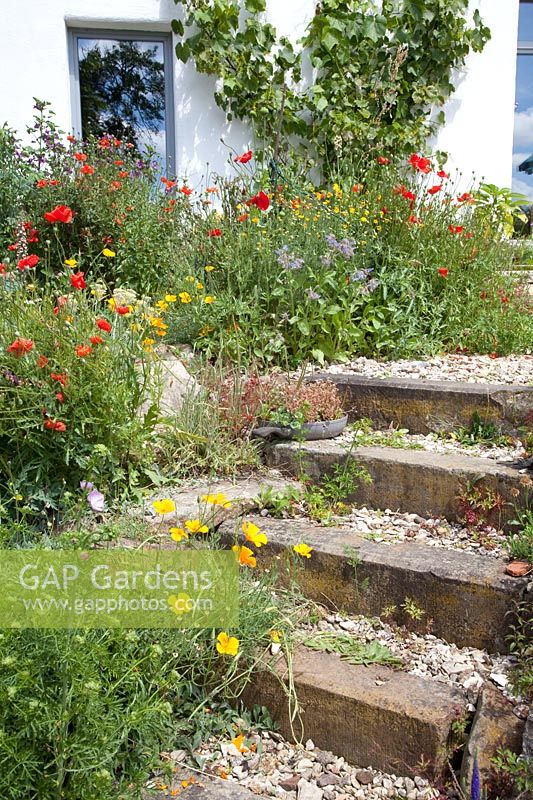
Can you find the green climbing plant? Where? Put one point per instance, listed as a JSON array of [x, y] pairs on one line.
[[381, 71]]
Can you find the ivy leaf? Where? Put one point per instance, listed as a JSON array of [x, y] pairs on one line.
[[183, 52], [255, 6], [177, 27]]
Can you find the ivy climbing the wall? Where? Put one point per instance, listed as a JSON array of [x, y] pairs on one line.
[[367, 76]]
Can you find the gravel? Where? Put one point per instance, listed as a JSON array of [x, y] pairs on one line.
[[452, 367], [390, 527], [270, 766], [422, 653], [510, 451]]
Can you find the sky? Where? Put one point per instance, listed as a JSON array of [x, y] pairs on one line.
[[523, 120]]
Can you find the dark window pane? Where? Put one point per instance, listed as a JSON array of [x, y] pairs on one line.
[[523, 124], [122, 89], [525, 23]]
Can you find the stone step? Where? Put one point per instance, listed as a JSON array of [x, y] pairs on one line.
[[412, 481], [396, 722], [426, 406], [467, 597]]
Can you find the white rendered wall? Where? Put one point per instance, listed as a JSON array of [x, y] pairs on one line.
[[34, 58]]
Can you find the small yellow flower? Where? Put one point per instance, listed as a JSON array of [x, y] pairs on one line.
[[170, 298], [209, 268], [112, 303], [209, 299], [71, 262], [196, 526], [179, 604], [218, 499], [18, 497], [303, 550], [190, 279], [162, 305], [108, 253], [238, 742], [185, 297], [245, 556], [165, 506], [178, 534], [199, 285], [254, 534], [227, 645], [275, 636]]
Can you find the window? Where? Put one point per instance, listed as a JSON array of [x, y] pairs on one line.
[[122, 85], [523, 120]]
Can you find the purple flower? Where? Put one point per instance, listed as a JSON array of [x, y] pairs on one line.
[[346, 247], [86, 485], [475, 788], [361, 274], [312, 295], [10, 376], [287, 259], [96, 500]]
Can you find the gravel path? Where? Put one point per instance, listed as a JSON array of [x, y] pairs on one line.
[[452, 367], [390, 527]]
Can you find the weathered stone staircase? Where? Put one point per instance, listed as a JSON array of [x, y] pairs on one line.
[[400, 722]]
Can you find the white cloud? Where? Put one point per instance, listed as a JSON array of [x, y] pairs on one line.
[[523, 129], [521, 187]]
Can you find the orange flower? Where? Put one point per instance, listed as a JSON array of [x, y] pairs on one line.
[[80, 156], [20, 346], [245, 556], [87, 169], [83, 350], [96, 340]]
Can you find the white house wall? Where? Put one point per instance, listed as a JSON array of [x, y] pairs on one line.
[[35, 63]]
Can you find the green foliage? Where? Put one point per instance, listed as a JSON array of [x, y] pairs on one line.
[[480, 431], [511, 773], [366, 436], [520, 641], [499, 208], [378, 71], [351, 649]]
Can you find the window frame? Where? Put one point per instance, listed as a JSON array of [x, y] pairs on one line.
[[164, 37]]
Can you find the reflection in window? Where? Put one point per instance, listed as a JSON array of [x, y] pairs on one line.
[[523, 119], [122, 91]]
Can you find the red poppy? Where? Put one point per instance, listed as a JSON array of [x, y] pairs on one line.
[[80, 156], [59, 214], [83, 350], [103, 324], [435, 189], [42, 361], [12, 247], [96, 340], [504, 298], [414, 220], [483, 295], [242, 217], [420, 163], [408, 195], [20, 346], [122, 310], [3, 269], [493, 355], [455, 228], [71, 138], [60, 397], [186, 191], [28, 262], [442, 174], [468, 235], [118, 162], [443, 272], [356, 188], [53, 183], [87, 169], [41, 184], [466, 197], [55, 425], [261, 200], [115, 186], [104, 142], [123, 173], [215, 232], [168, 183], [212, 190], [77, 280], [244, 158], [382, 161], [59, 377]]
